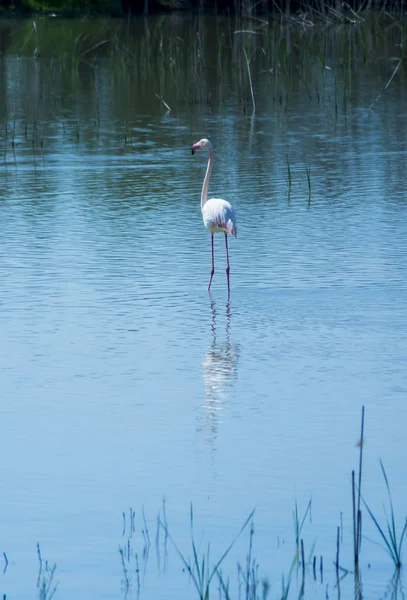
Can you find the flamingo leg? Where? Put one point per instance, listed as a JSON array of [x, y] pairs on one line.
[[227, 262], [213, 264]]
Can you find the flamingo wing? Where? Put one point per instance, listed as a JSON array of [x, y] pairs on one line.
[[219, 216]]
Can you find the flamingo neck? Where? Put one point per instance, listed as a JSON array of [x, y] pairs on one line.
[[204, 195]]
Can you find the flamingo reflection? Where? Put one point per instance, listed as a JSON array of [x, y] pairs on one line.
[[219, 368]]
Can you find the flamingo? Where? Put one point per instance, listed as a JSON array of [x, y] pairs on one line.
[[218, 215]]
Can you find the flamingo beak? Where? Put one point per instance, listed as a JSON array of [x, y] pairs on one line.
[[195, 147]]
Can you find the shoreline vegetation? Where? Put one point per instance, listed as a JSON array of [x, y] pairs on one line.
[[95, 71], [338, 571], [125, 8]]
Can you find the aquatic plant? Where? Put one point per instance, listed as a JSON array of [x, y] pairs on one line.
[[393, 541], [308, 170], [45, 582], [198, 567], [356, 499], [129, 556], [299, 522], [289, 171]]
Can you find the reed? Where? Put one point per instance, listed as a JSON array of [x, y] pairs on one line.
[[164, 102], [45, 582], [146, 536], [179, 61], [161, 545], [393, 540], [126, 577], [356, 499], [308, 170], [132, 565], [198, 568], [250, 573], [250, 80], [5, 562], [299, 522], [289, 171], [296, 10], [286, 581], [387, 84]]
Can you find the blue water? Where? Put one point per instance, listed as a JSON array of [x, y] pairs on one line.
[[124, 382]]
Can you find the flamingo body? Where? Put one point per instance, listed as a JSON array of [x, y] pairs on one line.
[[218, 214], [219, 217]]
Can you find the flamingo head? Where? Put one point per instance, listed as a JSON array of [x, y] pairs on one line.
[[204, 143]]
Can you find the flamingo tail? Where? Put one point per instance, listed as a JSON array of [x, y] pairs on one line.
[[231, 228]]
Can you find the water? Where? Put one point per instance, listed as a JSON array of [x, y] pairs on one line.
[[123, 381]]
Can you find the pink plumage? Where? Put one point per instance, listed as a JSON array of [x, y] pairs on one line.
[[218, 214]]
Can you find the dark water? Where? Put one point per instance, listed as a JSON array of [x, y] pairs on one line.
[[123, 381]]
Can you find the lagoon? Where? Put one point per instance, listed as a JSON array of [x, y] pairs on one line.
[[125, 386]]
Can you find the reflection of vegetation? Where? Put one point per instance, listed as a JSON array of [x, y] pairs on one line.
[[86, 71], [134, 550], [191, 61], [45, 583], [327, 8], [133, 561], [66, 6], [89, 7]]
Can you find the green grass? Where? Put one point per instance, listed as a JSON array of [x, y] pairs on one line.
[[299, 522], [393, 540], [199, 568]]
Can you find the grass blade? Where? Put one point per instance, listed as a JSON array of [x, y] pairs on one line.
[[393, 546], [228, 549], [199, 570]]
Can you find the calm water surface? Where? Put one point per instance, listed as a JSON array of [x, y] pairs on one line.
[[123, 381]]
